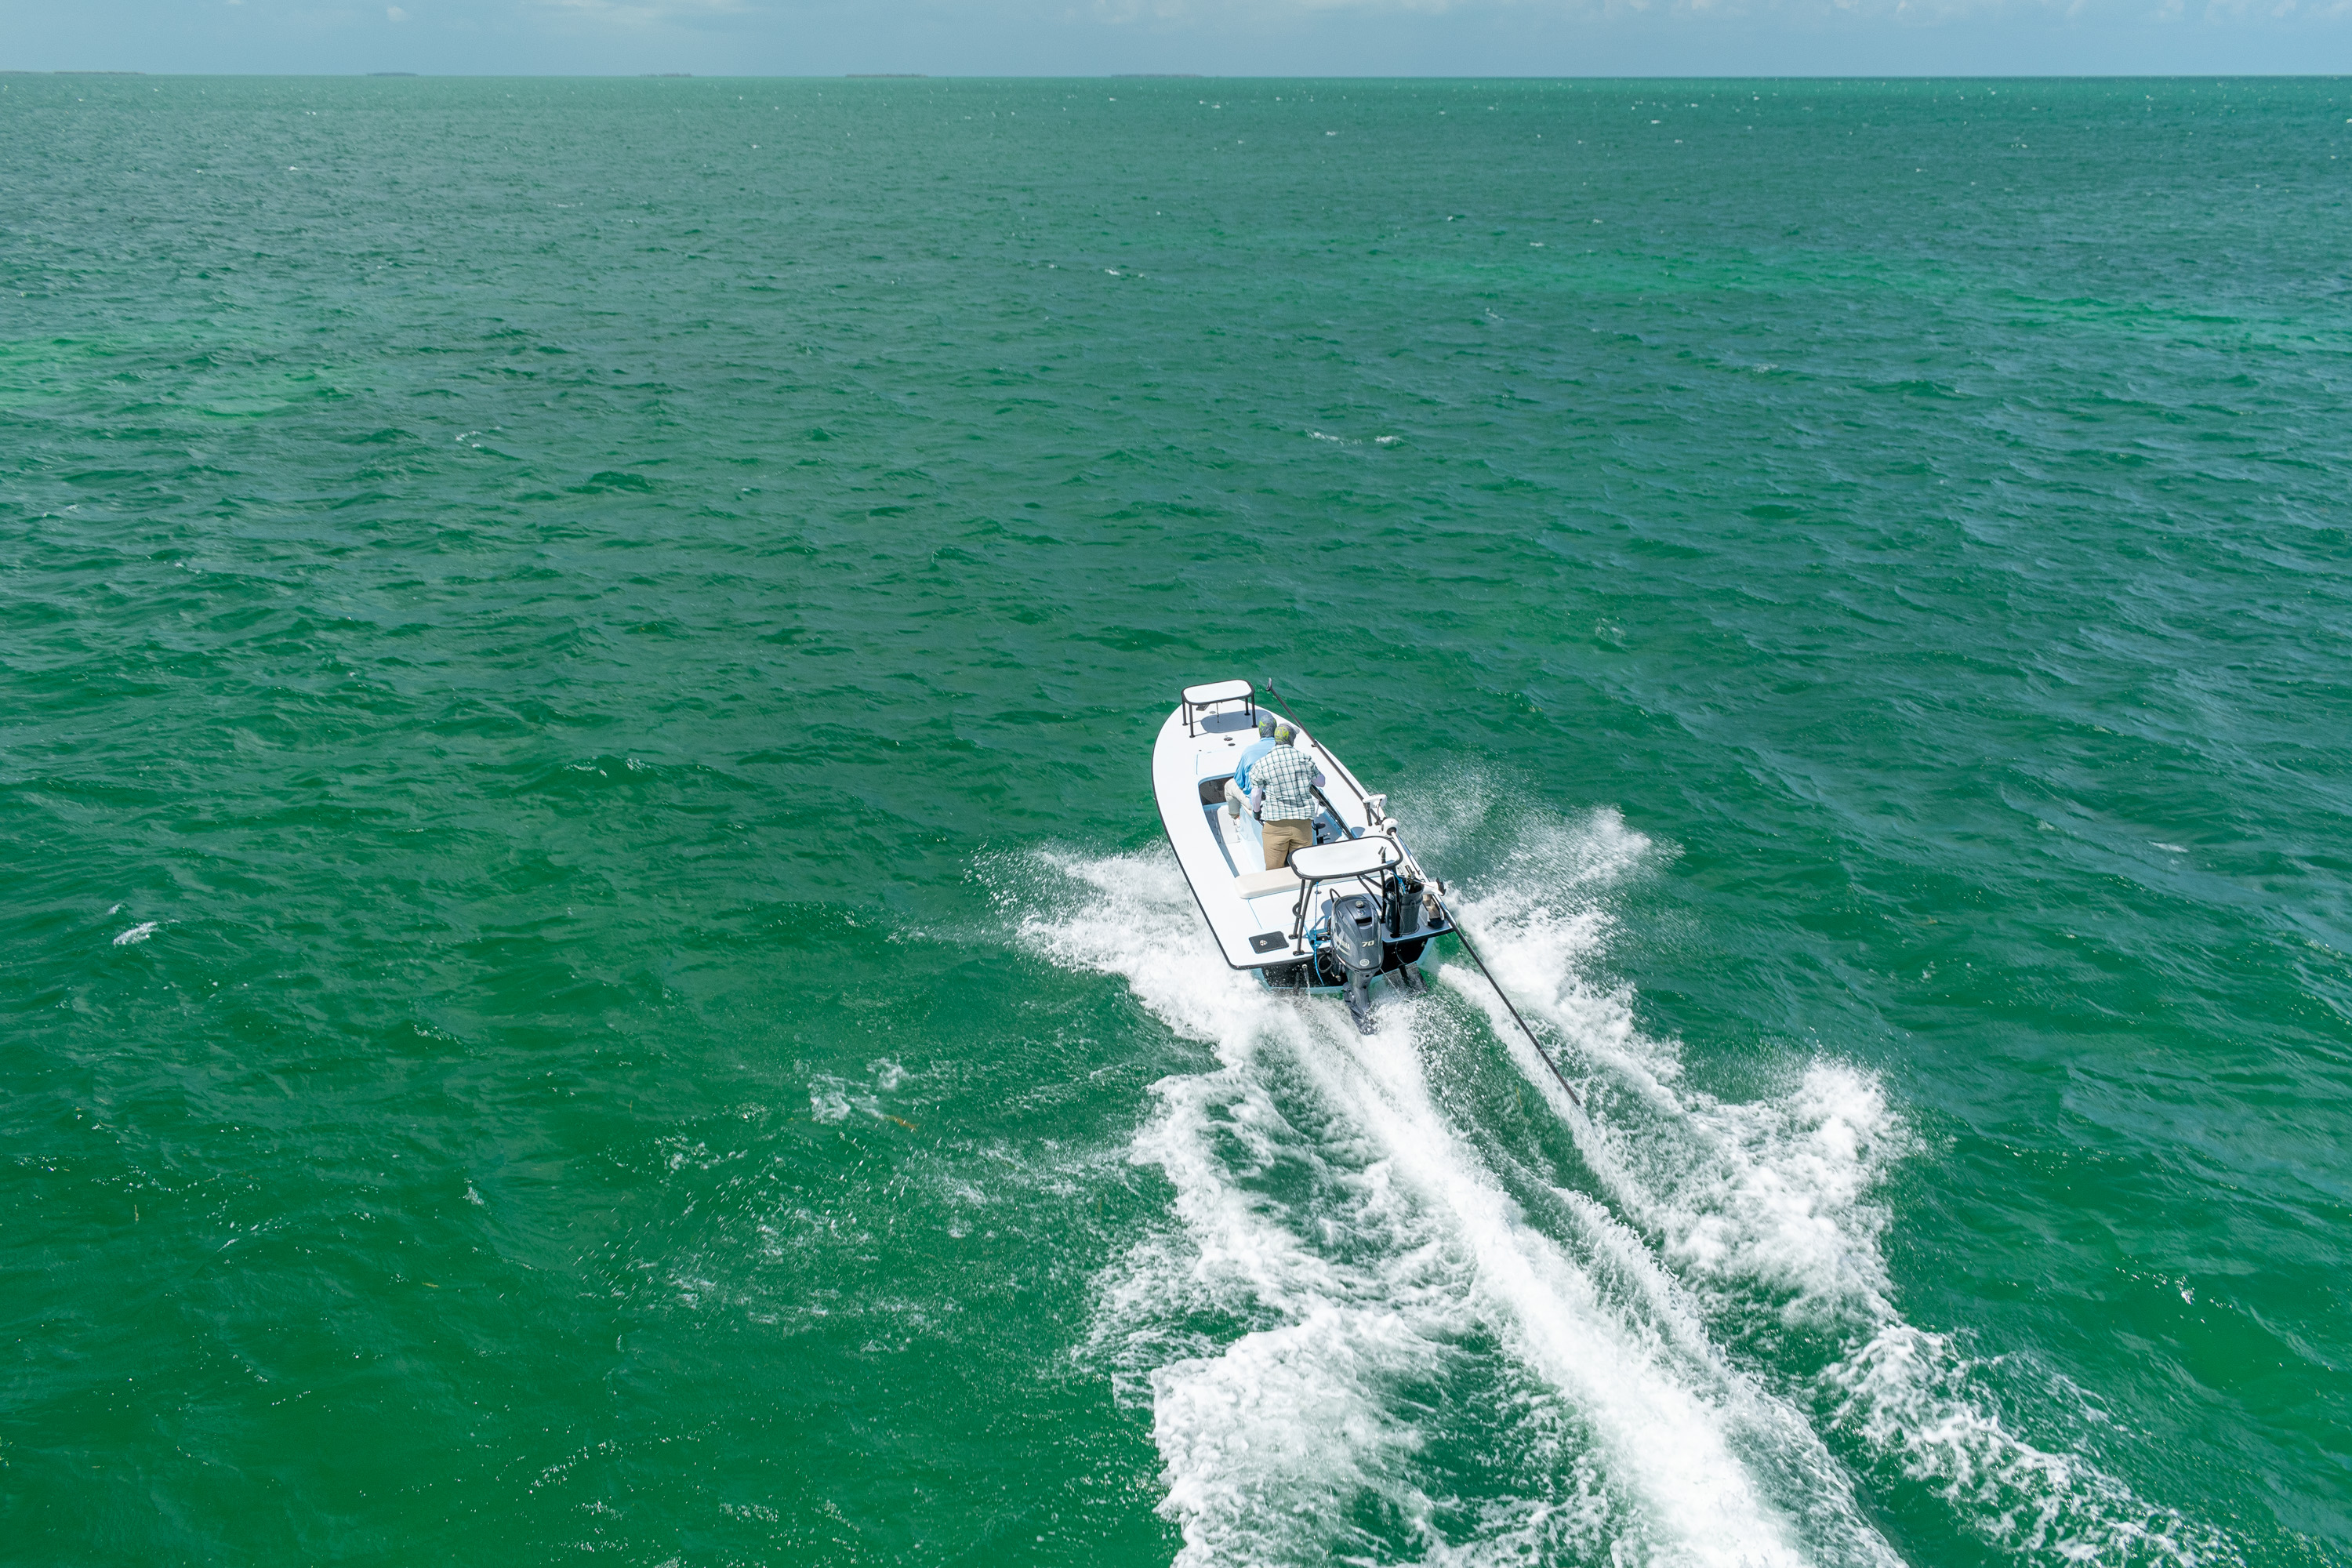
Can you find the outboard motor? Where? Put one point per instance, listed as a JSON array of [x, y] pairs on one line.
[[1356, 944]]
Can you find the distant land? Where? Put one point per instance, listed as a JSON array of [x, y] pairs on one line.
[[391, 73], [888, 75]]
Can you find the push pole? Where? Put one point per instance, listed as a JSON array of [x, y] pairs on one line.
[[1463, 937]]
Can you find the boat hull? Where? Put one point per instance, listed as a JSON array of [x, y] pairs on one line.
[[1255, 913]]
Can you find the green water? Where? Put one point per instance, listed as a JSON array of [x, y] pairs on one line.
[[589, 965]]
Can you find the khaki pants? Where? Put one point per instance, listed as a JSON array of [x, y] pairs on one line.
[[1282, 837]]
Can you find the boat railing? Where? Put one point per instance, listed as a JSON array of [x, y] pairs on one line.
[[1370, 861]]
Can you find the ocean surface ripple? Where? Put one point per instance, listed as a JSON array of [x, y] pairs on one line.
[[589, 965]]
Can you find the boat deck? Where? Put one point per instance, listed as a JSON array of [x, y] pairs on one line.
[[1250, 911]]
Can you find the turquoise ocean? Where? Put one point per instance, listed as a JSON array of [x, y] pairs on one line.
[[589, 966]]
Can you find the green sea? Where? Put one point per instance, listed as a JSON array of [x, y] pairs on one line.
[[589, 966]]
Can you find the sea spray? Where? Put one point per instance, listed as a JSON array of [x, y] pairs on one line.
[[1432, 1245], [1767, 1208]]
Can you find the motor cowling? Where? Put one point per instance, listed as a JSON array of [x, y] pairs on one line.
[[1355, 932], [1355, 928]]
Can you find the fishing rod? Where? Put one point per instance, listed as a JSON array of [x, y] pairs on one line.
[[1460, 935]]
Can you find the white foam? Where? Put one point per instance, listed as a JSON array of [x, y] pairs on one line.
[[1268, 1435], [1773, 1193], [1908, 1394], [832, 1099], [1767, 1206], [1402, 1240], [1668, 1442], [138, 932], [1335, 1295], [1292, 1415], [1742, 1207], [828, 1101]]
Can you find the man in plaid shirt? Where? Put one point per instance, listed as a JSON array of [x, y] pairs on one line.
[[1280, 797]]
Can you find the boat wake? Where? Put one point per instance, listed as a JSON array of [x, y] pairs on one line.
[[1407, 1303]]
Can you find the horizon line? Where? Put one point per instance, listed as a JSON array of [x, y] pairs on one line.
[[1191, 76]]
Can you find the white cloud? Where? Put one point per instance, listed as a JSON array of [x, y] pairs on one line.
[[643, 13], [395, 13], [1906, 14]]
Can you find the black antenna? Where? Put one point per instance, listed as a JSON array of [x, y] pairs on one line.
[[1336, 765]]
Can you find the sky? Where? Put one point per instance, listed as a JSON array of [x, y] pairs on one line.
[[1217, 38]]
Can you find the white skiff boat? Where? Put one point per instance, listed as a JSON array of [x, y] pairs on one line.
[[1352, 908]]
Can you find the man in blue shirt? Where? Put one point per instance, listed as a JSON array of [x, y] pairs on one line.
[[1237, 786]]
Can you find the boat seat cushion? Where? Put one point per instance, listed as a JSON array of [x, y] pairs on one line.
[[1259, 884]]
